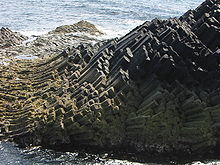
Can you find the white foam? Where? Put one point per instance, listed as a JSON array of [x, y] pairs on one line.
[[117, 162], [30, 34], [119, 31], [132, 23], [212, 162], [110, 30]]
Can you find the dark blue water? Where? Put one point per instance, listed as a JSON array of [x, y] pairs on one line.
[[115, 17]]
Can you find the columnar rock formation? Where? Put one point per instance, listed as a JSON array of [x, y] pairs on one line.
[[155, 89], [9, 38]]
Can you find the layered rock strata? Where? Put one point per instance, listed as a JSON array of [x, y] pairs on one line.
[[155, 89], [9, 38]]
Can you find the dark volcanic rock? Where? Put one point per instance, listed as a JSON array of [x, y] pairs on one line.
[[154, 90], [9, 38]]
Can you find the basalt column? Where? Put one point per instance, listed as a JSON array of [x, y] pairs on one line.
[[155, 89]]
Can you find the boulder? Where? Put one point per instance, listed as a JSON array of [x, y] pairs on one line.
[[81, 26]]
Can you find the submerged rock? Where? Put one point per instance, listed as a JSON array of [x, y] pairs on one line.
[[154, 90], [9, 38]]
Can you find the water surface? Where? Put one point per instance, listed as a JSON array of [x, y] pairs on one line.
[[116, 17]]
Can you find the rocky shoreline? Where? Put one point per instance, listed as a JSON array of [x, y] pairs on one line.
[[155, 90], [50, 44]]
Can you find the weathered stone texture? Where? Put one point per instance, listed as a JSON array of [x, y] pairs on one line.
[[9, 38], [155, 89]]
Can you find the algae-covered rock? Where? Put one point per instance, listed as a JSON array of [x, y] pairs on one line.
[[81, 26]]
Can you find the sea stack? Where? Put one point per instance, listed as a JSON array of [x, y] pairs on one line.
[[157, 89]]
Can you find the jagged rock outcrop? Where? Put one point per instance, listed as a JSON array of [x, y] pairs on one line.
[[52, 43], [155, 89], [9, 38]]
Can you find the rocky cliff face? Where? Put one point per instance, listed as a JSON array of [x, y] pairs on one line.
[[154, 90]]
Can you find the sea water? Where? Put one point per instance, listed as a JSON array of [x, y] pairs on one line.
[[115, 18], [12, 155]]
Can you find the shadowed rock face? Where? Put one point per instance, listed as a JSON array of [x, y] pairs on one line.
[[9, 38], [155, 89]]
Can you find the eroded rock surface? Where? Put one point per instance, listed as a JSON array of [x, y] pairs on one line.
[[9, 38], [51, 43], [81, 26], [155, 89]]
